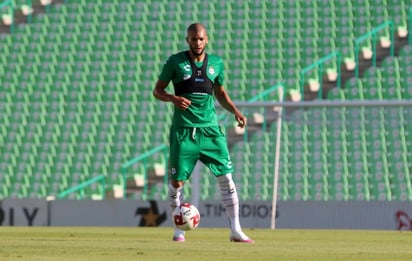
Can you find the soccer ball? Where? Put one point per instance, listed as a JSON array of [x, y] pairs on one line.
[[186, 217]]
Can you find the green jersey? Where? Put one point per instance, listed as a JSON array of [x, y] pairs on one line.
[[195, 82]]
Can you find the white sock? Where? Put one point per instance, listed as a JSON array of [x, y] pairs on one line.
[[175, 197], [230, 200]]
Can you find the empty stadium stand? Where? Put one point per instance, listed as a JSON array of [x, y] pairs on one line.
[[76, 101]]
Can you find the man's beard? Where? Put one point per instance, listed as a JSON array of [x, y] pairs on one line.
[[197, 54]]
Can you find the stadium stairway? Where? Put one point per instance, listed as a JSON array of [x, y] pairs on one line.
[[37, 7], [365, 63], [334, 26]]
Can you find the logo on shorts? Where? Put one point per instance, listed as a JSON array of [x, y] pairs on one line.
[[173, 171], [229, 162]]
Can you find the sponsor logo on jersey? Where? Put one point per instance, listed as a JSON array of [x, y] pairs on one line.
[[187, 68]]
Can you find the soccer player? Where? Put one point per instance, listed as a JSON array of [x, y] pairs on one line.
[[195, 133]]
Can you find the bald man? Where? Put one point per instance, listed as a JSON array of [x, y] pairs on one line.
[[195, 133]]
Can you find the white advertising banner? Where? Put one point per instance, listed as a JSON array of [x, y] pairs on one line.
[[149, 213], [345, 215], [23, 212], [109, 213], [376, 215], [253, 214]]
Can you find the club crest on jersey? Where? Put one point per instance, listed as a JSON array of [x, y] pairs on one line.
[[211, 70]]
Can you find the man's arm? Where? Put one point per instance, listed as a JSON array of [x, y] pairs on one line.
[[160, 93], [223, 98]]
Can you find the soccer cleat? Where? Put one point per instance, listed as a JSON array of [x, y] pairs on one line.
[[240, 237], [179, 238]]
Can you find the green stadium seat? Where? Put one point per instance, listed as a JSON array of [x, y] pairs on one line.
[[354, 89], [372, 85]]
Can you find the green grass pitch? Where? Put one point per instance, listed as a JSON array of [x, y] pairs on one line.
[[103, 243]]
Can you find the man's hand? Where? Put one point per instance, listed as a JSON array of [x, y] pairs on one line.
[[181, 102], [241, 120]]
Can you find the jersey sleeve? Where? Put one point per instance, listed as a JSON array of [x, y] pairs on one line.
[[167, 72]]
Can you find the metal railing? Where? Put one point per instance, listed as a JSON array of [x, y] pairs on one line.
[[80, 188], [9, 4], [409, 29], [26, 6], [260, 97], [372, 34], [144, 159], [319, 64]]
